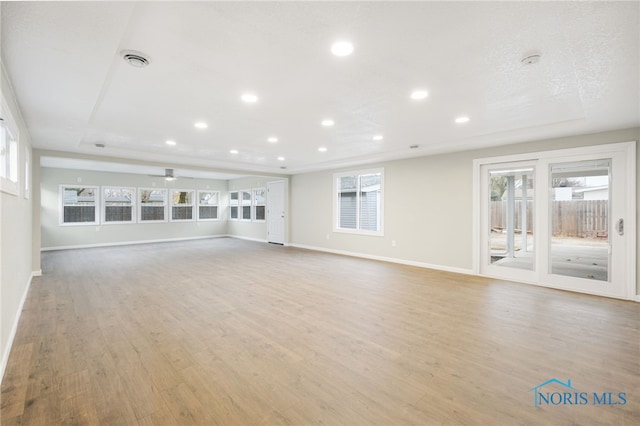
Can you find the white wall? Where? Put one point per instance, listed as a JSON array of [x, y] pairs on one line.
[[15, 241], [55, 236], [427, 202]]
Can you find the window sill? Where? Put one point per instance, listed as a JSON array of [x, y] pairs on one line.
[[8, 187], [359, 232]]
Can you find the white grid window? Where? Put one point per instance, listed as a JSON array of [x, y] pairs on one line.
[[152, 205], [119, 205], [78, 205], [233, 205], [245, 204], [259, 204], [182, 203], [208, 205], [359, 202]]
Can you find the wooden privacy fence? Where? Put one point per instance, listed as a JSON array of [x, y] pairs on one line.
[[578, 218]]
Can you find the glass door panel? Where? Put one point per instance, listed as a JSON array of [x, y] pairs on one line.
[[511, 208], [579, 219]]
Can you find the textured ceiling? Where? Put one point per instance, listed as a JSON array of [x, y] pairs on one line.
[[75, 90]]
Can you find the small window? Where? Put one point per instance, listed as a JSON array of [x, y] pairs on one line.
[[233, 205], [358, 202], [79, 205], [246, 204], [259, 204], [182, 205], [119, 205], [153, 205], [8, 152], [208, 203]]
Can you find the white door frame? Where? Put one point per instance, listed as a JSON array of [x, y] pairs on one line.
[[626, 149]]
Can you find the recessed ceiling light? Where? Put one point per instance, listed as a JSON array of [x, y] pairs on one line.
[[342, 48], [378, 138], [172, 143], [327, 122], [272, 139], [249, 98], [233, 151], [201, 125], [322, 149], [419, 94], [461, 120], [281, 158]]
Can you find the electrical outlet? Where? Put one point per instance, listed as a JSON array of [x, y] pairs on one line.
[[393, 243]]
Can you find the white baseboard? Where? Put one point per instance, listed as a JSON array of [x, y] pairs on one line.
[[257, 240], [14, 326], [126, 243], [637, 299], [389, 259]]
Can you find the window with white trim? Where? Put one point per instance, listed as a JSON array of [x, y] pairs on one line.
[[245, 203], [359, 202], [8, 152], [208, 205], [259, 204], [152, 205], [118, 204], [182, 203], [233, 205], [79, 205]]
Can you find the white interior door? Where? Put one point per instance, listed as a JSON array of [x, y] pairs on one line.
[[276, 212]]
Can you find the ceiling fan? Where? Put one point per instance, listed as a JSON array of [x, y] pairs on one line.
[[169, 175]]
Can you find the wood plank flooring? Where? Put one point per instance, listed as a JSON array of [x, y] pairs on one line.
[[231, 332]]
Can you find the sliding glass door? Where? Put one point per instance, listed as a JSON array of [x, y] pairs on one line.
[[565, 219]]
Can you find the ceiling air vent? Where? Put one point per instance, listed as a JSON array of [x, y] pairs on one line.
[[531, 58], [135, 59]]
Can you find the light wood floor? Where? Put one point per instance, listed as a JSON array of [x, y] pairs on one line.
[[233, 332]]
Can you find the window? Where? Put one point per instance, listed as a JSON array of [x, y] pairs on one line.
[[259, 204], [233, 205], [246, 204], [8, 152], [358, 202], [118, 205], [153, 205], [208, 202], [79, 205], [182, 205]]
